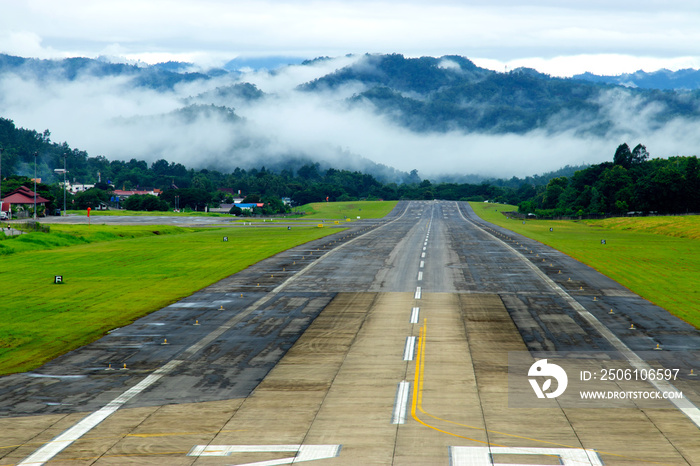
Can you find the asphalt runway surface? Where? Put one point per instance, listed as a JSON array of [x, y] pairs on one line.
[[405, 340]]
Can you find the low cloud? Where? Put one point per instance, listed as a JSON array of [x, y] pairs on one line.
[[115, 118]]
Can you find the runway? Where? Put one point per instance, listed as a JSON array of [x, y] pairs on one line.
[[399, 341]]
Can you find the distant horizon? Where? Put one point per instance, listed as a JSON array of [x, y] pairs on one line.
[[626, 65], [608, 37]]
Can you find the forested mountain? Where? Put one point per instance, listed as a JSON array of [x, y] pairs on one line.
[[163, 76], [443, 118], [451, 93], [687, 79]]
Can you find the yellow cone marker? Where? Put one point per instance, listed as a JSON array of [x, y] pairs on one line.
[[611, 312], [658, 348], [631, 327], [165, 342], [196, 322]]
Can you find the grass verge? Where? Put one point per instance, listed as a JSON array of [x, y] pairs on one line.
[[351, 210], [111, 281], [656, 257]]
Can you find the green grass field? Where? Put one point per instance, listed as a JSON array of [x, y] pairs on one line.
[[351, 210], [112, 276], [656, 257]]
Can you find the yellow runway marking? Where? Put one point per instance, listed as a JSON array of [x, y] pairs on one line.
[[417, 403]]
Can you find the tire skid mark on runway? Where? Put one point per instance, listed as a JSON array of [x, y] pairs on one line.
[[684, 405], [64, 440], [58, 444]]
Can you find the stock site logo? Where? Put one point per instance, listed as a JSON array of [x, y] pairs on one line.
[[542, 368]]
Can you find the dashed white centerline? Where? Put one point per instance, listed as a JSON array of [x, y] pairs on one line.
[[409, 349], [422, 254], [401, 403], [422, 264], [414, 315], [420, 276], [418, 293]]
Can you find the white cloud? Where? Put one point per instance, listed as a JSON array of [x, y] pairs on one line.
[[114, 118], [212, 31], [24, 44], [554, 37]]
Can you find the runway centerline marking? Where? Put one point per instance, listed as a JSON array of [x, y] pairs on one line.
[[401, 403], [414, 315], [409, 349]]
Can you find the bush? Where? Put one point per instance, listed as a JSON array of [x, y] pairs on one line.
[[145, 202]]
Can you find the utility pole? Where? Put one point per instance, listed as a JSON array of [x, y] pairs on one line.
[[0, 179], [58, 170], [35, 156], [64, 183]]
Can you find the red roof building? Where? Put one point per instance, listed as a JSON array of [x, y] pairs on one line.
[[23, 196]]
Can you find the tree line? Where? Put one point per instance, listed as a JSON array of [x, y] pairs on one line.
[[631, 184]]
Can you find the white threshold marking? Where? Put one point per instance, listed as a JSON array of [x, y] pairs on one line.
[[482, 456], [401, 403], [58, 444], [420, 276], [683, 404], [422, 264], [418, 293], [303, 452], [409, 349], [414, 315]]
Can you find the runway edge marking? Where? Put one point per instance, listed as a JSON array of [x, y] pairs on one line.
[[683, 404], [64, 440]]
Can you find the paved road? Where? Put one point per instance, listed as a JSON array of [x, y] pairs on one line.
[[402, 341]]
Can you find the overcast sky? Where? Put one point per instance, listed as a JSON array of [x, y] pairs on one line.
[[559, 37]]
